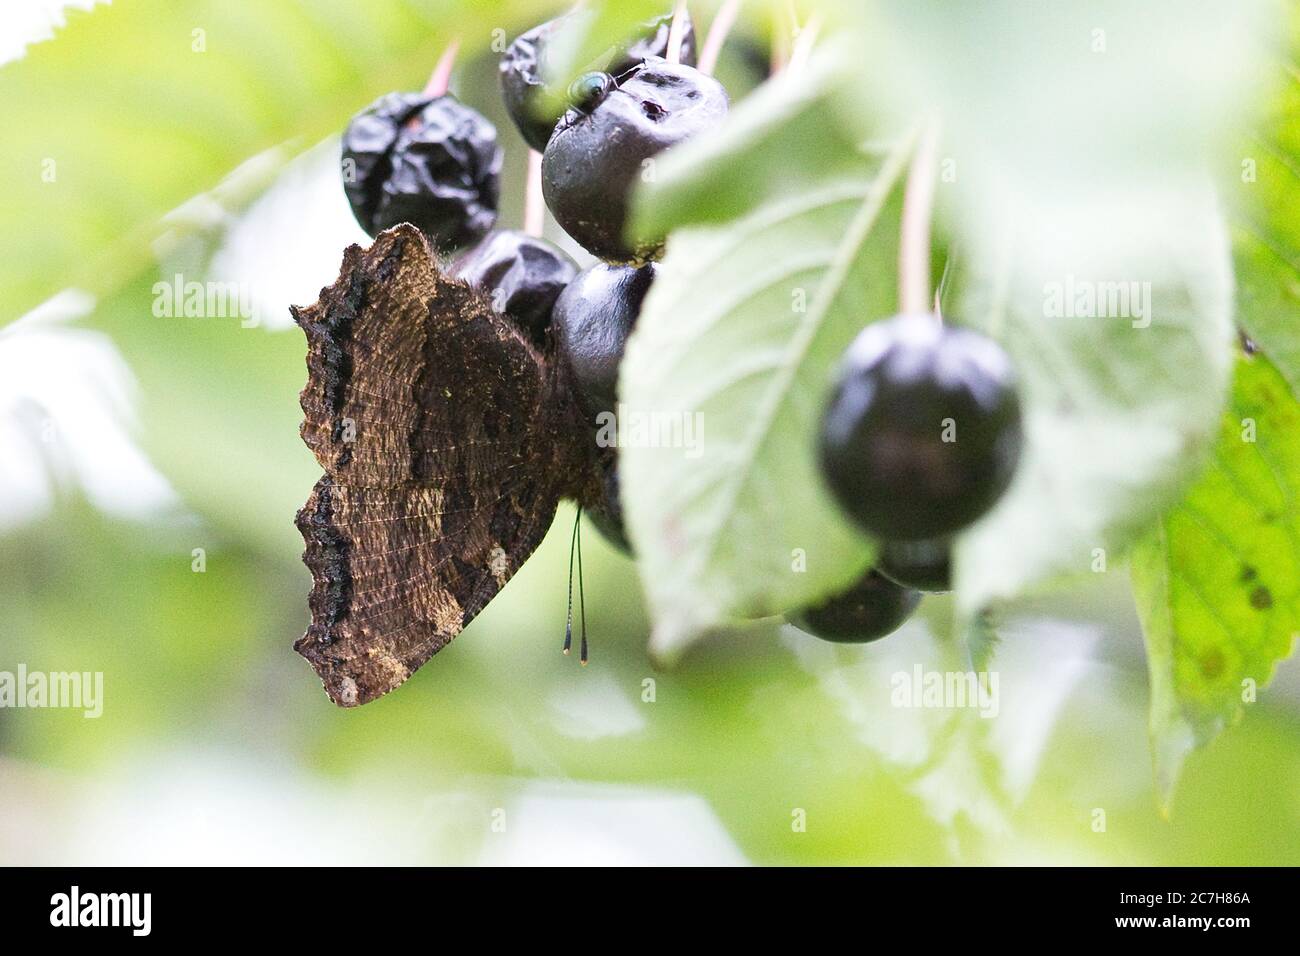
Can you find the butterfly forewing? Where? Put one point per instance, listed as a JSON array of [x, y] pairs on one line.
[[447, 441]]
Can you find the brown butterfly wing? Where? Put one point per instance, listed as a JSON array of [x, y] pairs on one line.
[[447, 441]]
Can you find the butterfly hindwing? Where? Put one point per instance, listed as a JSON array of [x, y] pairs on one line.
[[447, 441]]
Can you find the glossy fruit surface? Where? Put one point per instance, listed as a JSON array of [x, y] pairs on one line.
[[534, 105], [522, 274], [608, 515], [432, 162], [922, 565], [592, 318], [922, 434], [594, 158], [871, 609]]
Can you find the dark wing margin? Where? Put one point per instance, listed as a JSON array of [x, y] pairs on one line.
[[447, 442], [397, 573]]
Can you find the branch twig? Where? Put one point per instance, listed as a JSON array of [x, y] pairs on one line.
[[440, 78], [918, 207], [805, 38], [534, 203], [674, 52], [718, 30]]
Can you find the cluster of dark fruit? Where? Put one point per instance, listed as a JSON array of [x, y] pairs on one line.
[[923, 429], [435, 163], [921, 437]]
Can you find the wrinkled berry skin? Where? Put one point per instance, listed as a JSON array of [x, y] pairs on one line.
[[522, 86], [594, 158], [868, 611], [592, 318], [921, 565], [607, 516], [367, 143], [535, 107], [523, 275], [906, 384], [432, 162]]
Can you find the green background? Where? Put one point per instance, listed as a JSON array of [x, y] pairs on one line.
[[216, 744]]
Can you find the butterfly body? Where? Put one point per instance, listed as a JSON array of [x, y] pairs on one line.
[[448, 440]]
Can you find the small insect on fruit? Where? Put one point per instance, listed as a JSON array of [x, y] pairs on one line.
[[429, 161], [589, 91], [535, 105], [923, 431], [868, 611], [600, 150]]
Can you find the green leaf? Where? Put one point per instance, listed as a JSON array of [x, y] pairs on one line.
[[1120, 399], [739, 333], [1218, 580], [982, 640], [1040, 183], [789, 136], [1266, 221]]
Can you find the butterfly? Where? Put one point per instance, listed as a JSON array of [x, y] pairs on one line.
[[447, 439]]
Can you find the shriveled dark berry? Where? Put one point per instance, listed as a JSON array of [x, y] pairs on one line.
[[367, 143], [432, 162], [530, 104], [923, 565], [923, 431], [593, 317], [534, 105], [607, 516], [869, 610], [594, 158], [522, 274]]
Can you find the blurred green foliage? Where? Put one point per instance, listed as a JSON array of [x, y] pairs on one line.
[[198, 666]]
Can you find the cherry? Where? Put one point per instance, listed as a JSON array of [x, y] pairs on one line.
[[523, 87], [595, 156], [869, 610], [429, 161], [922, 565], [922, 434], [535, 106], [367, 143], [607, 516], [593, 317], [523, 275]]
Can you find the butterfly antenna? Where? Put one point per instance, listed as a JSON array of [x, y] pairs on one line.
[[568, 623], [582, 598]]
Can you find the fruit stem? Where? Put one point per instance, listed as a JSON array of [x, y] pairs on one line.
[[718, 30], [534, 203], [914, 242], [674, 52], [783, 30], [440, 78], [805, 37], [943, 286]]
